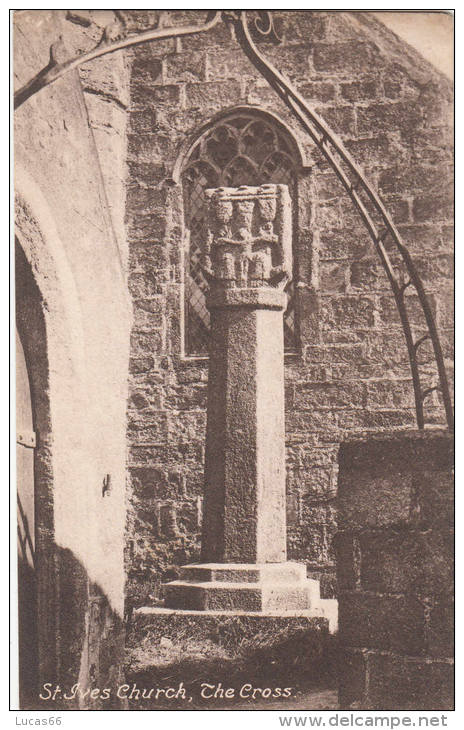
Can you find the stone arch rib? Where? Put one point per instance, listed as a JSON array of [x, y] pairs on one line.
[[368, 204]]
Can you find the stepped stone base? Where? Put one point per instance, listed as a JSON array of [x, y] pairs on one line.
[[215, 633], [235, 630], [269, 588], [244, 572]]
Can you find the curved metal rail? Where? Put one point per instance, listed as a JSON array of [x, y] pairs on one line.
[[350, 175], [55, 70], [355, 184]]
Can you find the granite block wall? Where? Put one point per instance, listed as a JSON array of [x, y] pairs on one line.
[[350, 375], [395, 564]]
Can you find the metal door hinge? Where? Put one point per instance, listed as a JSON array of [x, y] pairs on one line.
[[27, 439]]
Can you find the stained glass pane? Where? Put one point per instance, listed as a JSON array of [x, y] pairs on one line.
[[243, 150]]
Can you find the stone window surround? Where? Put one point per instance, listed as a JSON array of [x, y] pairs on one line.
[[302, 165]]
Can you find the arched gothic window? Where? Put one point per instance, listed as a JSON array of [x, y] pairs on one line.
[[243, 149]]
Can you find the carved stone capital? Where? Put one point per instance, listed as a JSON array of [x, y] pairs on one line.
[[249, 237], [251, 298]]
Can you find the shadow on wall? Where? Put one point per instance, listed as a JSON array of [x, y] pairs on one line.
[[85, 647]]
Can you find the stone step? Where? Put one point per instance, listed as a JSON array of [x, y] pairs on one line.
[[243, 572], [229, 596]]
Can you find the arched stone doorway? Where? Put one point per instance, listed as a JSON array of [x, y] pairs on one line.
[[77, 633], [34, 487]]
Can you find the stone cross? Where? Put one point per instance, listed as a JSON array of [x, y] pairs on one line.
[[247, 259]]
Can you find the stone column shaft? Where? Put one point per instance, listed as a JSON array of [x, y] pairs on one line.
[[244, 509]]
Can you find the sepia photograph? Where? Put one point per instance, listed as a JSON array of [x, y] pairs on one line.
[[233, 299]]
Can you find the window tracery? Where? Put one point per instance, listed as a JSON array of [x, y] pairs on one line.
[[244, 149]]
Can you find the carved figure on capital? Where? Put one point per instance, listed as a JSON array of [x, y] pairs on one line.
[[248, 241]]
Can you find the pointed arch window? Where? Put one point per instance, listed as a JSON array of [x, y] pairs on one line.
[[243, 149]]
